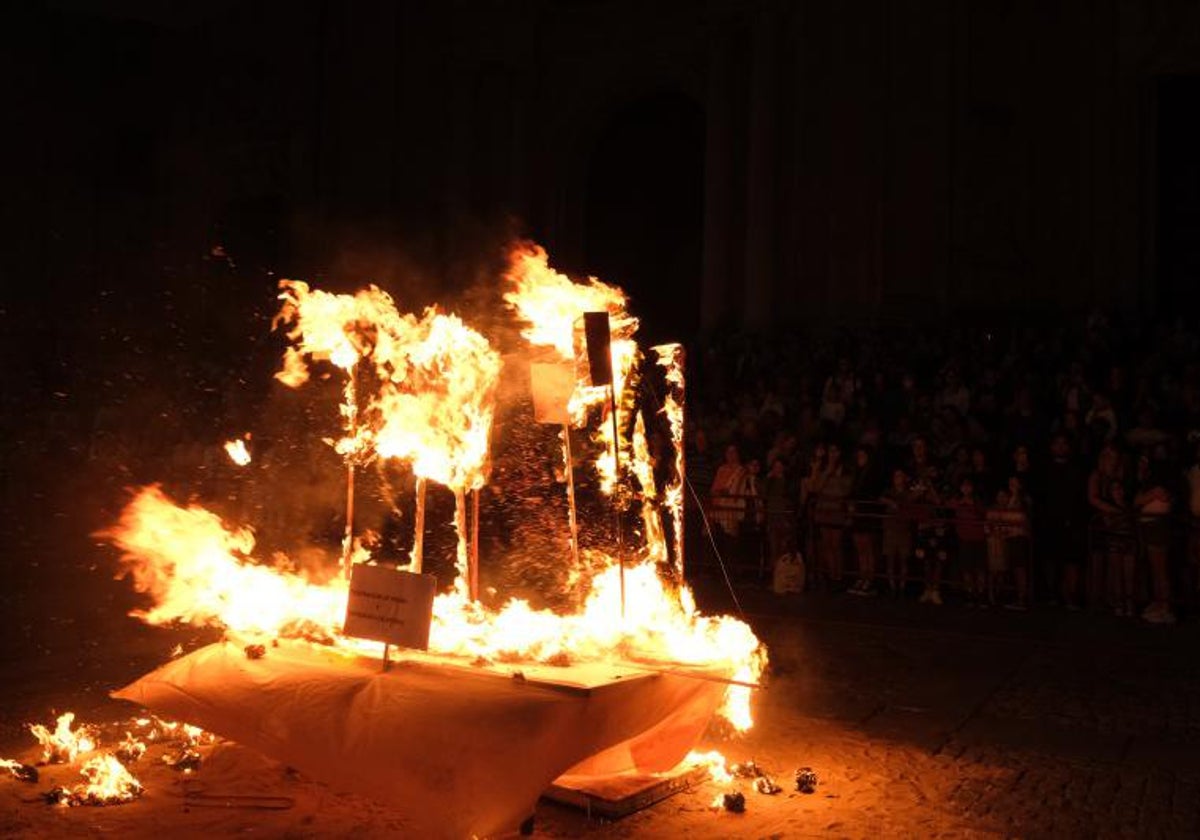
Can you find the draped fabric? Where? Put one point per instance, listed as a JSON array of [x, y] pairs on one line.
[[460, 752]]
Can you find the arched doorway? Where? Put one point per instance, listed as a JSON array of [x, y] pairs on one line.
[[644, 211]]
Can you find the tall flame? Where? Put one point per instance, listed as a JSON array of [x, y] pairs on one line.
[[550, 305]]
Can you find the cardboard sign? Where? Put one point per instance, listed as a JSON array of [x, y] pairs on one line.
[[389, 605], [552, 386]]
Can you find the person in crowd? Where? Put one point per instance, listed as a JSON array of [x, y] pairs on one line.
[[932, 532], [864, 494], [1018, 545], [1153, 506], [781, 519], [981, 474], [958, 468], [1102, 418], [1062, 526], [700, 467], [1116, 539], [954, 393], [728, 506], [969, 515], [1192, 570], [897, 531], [831, 489], [1109, 471], [996, 526]]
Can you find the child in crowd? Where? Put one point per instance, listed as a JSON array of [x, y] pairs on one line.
[[997, 557], [932, 545], [1018, 546], [865, 536], [897, 531], [1116, 534], [1153, 505], [972, 541]]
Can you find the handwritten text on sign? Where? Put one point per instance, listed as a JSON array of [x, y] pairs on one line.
[[389, 605]]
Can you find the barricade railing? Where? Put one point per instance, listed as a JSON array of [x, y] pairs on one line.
[[752, 531]]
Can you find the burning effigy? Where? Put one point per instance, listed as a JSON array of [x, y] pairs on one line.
[[463, 717]]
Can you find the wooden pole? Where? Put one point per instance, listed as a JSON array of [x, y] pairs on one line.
[[462, 561], [612, 405], [571, 494], [352, 425], [473, 557], [348, 538], [417, 558]]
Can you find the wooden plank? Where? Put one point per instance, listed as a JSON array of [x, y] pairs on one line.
[[613, 797]]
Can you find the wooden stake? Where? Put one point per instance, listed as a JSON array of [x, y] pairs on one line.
[[352, 424], [571, 495], [612, 405], [348, 538], [473, 557], [417, 559], [463, 560]]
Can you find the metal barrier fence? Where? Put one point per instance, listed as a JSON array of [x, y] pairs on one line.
[[752, 533]]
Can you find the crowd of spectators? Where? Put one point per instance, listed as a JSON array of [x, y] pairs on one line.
[[1056, 463]]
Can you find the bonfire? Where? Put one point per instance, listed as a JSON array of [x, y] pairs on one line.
[[421, 389]]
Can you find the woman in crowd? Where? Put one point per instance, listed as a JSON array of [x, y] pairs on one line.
[[728, 506], [1153, 505], [969, 515], [864, 492], [897, 531], [831, 489]]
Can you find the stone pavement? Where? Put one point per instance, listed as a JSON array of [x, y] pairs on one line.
[[950, 721]]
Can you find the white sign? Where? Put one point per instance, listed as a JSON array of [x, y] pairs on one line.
[[390, 605]]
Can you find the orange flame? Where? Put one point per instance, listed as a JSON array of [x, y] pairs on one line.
[[431, 403], [550, 305], [64, 745], [106, 782], [198, 570], [237, 452]]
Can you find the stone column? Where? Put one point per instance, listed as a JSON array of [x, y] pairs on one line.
[[761, 177], [718, 182]]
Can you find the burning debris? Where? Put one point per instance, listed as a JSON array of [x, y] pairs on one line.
[[19, 771], [157, 730], [766, 785], [106, 782], [64, 745], [237, 452], [130, 749], [734, 803], [255, 651], [187, 760], [806, 780]]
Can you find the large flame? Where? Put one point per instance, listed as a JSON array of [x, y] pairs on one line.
[[423, 389], [550, 306], [198, 570]]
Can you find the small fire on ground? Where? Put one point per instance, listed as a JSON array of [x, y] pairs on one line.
[[106, 778]]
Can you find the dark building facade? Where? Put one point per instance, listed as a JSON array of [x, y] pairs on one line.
[[731, 162]]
